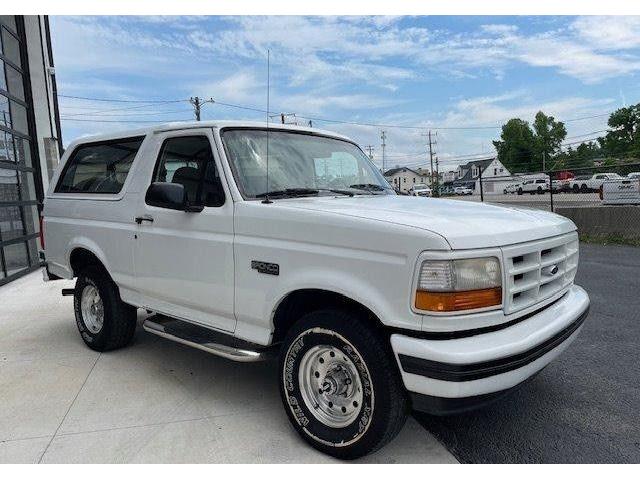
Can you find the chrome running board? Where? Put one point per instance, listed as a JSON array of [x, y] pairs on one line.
[[206, 339]]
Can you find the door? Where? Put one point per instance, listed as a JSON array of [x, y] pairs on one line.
[[184, 260]]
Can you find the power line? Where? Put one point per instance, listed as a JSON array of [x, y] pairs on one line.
[[339, 121], [115, 100], [123, 121], [130, 114], [145, 105]]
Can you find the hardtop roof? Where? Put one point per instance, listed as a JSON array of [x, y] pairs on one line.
[[214, 124]]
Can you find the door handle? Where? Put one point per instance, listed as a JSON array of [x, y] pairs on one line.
[[144, 218]]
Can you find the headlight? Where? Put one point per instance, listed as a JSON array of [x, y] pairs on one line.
[[453, 285]]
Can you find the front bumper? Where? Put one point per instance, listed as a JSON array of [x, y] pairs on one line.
[[485, 365]]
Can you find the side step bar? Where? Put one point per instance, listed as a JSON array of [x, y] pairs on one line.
[[206, 339]]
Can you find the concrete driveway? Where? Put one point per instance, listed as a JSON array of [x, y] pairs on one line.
[[155, 401]]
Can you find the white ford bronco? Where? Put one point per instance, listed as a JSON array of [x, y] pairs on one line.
[[248, 241]]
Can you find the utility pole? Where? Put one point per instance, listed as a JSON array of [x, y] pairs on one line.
[[370, 149], [431, 144], [197, 103], [383, 136]]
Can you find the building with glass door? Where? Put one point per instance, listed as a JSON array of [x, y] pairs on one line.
[[30, 139]]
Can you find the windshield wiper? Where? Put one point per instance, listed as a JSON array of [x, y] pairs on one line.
[[370, 187], [298, 192]]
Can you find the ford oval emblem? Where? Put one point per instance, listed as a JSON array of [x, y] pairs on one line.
[[550, 271]]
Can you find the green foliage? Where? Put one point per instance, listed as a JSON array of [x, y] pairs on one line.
[[623, 138], [523, 149], [516, 146]]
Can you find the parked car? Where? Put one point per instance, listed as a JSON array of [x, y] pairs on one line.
[[513, 188], [446, 191], [586, 183], [420, 191], [623, 191], [462, 191], [561, 185], [374, 303], [533, 186]]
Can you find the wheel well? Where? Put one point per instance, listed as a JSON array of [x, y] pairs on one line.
[[300, 302], [81, 258]]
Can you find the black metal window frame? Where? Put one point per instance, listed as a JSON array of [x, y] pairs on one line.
[[34, 169]]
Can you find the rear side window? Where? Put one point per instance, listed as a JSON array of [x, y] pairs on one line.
[[100, 167]]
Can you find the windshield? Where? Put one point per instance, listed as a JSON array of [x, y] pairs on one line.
[[299, 164]]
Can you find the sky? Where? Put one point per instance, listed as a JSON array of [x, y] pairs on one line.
[[460, 77]]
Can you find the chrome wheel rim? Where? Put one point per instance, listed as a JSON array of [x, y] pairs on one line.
[[92, 309], [330, 385]]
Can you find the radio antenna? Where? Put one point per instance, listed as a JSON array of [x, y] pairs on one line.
[[266, 197]]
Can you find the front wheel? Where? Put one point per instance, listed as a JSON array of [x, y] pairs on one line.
[[105, 322], [340, 384]]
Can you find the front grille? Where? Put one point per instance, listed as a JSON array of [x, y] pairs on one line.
[[536, 271]]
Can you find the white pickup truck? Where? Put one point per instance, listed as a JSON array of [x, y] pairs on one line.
[[623, 191], [248, 241], [586, 183]]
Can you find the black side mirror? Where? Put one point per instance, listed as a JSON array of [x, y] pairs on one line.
[[167, 195]]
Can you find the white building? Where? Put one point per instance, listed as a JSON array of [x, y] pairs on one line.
[[495, 176], [448, 177], [30, 140], [402, 179]]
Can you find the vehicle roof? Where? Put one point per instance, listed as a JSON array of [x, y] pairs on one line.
[[215, 124]]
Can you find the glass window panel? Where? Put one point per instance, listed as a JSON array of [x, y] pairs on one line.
[[33, 251], [15, 258], [31, 219], [16, 186], [189, 162], [3, 82], [9, 21], [5, 116], [11, 47], [19, 117], [7, 153], [23, 152], [99, 167], [14, 83], [11, 225]]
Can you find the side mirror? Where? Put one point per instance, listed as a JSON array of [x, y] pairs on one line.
[[167, 195]]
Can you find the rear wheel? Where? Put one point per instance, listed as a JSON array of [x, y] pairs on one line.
[[340, 384], [520, 191], [105, 322], [584, 188]]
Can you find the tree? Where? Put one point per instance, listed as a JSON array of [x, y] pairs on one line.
[[549, 135], [516, 147], [623, 139], [580, 157]]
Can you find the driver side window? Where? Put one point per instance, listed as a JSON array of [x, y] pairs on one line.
[[189, 161]]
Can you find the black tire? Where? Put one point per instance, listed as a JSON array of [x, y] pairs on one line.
[[584, 188], [520, 191], [575, 188], [384, 406], [119, 319], [540, 192]]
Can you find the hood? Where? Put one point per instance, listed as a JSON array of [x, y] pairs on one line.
[[464, 224]]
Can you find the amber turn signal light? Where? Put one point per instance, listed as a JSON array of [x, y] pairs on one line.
[[455, 301]]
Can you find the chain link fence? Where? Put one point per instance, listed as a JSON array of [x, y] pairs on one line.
[[603, 201]]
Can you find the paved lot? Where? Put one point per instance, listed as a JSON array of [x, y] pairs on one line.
[[585, 406], [162, 402], [156, 401], [542, 202]]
